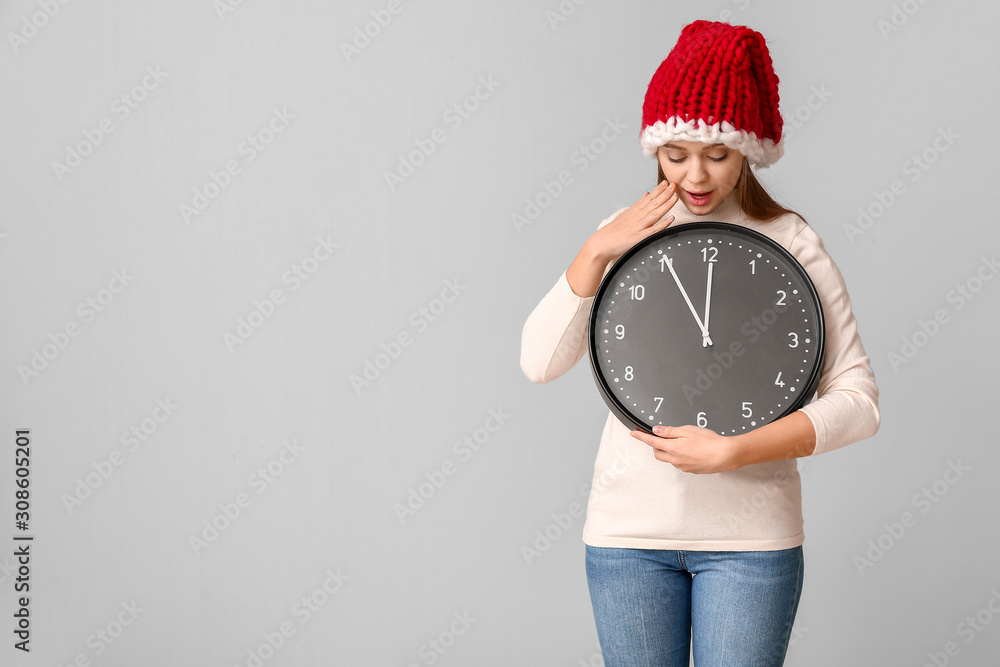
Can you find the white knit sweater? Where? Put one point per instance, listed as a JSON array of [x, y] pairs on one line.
[[639, 502]]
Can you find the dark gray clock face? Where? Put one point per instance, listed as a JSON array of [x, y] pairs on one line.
[[706, 323]]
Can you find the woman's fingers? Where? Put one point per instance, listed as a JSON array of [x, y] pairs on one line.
[[655, 192], [663, 203], [660, 195], [663, 196], [647, 214]]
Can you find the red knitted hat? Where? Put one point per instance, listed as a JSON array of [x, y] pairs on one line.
[[717, 85]]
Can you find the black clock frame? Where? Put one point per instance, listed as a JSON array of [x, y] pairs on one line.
[[608, 394]]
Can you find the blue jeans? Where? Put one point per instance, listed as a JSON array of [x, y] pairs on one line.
[[737, 607]]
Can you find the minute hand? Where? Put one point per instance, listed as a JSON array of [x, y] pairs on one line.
[[704, 331]]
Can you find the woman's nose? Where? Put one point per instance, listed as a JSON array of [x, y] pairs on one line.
[[698, 172]]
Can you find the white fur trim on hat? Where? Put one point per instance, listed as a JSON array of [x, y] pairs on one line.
[[760, 153]]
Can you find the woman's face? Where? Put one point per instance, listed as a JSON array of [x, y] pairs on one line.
[[705, 174]]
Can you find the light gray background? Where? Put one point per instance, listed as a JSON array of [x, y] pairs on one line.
[[885, 97]]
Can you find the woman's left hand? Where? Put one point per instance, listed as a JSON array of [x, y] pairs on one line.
[[691, 448]]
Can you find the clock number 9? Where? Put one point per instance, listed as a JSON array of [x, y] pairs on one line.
[[620, 331], [702, 421], [706, 258], [795, 339]]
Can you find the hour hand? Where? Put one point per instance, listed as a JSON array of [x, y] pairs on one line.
[[706, 341]]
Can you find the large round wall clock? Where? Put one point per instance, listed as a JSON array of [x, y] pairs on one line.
[[706, 323]]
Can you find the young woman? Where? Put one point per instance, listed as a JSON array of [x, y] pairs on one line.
[[693, 539]]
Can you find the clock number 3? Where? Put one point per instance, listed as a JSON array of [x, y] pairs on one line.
[[795, 339]]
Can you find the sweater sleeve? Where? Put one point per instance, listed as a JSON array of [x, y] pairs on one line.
[[846, 408], [554, 336]]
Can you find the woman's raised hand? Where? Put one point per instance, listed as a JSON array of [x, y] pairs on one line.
[[610, 242], [641, 219]]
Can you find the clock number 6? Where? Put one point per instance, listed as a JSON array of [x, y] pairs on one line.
[[702, 421]]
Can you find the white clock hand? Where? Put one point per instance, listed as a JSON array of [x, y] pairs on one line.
[[704, 331], [706, 341]]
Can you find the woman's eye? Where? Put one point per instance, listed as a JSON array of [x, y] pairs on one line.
[[713, 159]]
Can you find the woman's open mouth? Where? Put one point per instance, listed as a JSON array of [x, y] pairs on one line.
[[699, 198]]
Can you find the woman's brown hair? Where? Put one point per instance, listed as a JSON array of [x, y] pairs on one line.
[[751, 195]]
